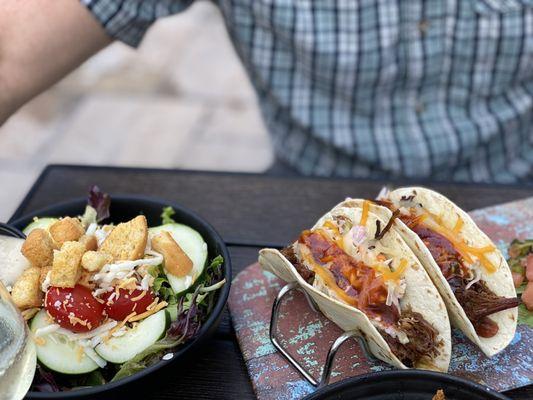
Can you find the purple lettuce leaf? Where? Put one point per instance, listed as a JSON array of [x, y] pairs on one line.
[[44, 381], [100, 201]]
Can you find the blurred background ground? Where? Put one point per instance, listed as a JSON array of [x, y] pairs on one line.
[[182, 100]]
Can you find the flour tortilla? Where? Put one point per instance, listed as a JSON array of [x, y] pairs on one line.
[[420, 295], [500, 282]]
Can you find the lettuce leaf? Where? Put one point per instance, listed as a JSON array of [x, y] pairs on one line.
[[520, 248], [166, 215], [521, 288], [162, 286], [518, 251], [100, 201], [188, 313], [146, 358], [525, 316]]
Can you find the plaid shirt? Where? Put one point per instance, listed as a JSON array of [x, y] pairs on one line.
[[380, 88]]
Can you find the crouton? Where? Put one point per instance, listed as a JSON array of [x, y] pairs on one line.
[[30, 313], [44, 273], [128, 240], [66, 230], [93, 261], [26, 291], [38, 248], [175, 260], [66, 267], [89, 241]]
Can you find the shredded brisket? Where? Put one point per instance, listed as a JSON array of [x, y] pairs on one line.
[[304, 272], [341, 280], [479, 302], [385, 203], [422, 339], [422, 336]]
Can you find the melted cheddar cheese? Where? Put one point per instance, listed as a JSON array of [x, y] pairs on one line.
[[389, 275], [327, 277], [467, 252], [364, 214]]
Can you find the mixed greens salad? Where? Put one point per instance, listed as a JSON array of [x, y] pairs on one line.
[[105, 301]]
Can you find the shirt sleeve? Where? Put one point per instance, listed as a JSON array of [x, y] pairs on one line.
[[128, 20]]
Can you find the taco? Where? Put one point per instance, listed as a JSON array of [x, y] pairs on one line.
[[364, 277], [470, 272]]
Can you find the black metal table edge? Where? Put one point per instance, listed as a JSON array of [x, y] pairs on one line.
[[401, 181]]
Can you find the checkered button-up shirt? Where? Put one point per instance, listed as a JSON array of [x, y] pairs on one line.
[[380, 88]]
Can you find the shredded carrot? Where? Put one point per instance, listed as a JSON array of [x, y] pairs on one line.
[[153, 303], [75, 320], [149, 312], [140, 296], [122, 323]]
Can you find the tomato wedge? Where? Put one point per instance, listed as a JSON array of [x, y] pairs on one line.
[[119, 307], [75, 309]]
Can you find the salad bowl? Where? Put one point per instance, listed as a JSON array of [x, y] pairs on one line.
[[124, 208]]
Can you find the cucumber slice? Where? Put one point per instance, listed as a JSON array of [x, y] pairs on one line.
[[120, 349], [39, 223], [193, 245], [58, 353]]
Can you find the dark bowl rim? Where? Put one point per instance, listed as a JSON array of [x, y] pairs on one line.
[[444, 378], [182, 350]]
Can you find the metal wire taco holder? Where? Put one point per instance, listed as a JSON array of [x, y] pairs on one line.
[[332, 352]]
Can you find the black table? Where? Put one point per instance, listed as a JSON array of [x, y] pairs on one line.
[[250, 211]]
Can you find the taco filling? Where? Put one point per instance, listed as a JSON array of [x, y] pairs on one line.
[[477, 300], [361, 276]]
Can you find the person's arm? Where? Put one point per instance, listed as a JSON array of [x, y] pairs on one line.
[[41, 41]]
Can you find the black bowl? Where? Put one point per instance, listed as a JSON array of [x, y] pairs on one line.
[[124, 208], [411, 384]]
